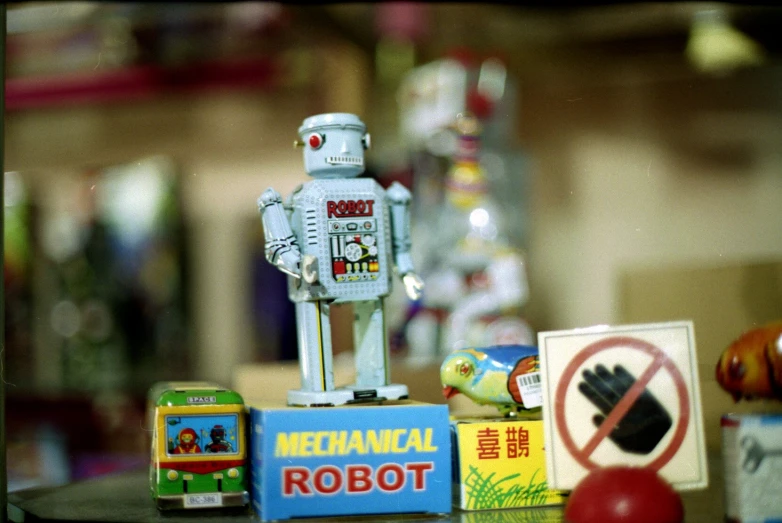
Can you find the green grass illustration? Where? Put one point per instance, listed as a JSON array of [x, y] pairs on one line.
[[485, 492], [533, 515]]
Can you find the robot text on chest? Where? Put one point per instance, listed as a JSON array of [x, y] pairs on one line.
[[344, 225]]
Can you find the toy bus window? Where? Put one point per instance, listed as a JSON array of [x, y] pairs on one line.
[[205, 434]]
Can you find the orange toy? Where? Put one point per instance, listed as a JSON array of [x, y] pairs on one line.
[[751, 367]]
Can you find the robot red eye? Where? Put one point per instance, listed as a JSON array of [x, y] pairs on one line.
[[316, 140]]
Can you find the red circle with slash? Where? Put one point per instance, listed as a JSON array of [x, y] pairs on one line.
[[660, 361]]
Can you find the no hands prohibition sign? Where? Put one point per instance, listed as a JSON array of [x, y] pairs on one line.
[[660, 361]]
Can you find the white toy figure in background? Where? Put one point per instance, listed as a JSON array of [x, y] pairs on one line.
[[340, 238], [477, 280]]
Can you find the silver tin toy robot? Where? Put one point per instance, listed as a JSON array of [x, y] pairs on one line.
[[340, 238]]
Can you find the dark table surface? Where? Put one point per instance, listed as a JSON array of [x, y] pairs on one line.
[[125, 498]]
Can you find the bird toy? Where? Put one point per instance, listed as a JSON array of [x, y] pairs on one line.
[[506, 376]]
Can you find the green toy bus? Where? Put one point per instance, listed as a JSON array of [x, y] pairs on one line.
[[199, 448]]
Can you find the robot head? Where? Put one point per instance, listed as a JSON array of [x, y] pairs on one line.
[[217, 433], [334, 145]]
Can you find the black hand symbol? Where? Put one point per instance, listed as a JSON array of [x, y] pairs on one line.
[[643, 425]]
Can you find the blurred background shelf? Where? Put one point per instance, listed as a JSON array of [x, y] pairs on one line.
[[136, 84]]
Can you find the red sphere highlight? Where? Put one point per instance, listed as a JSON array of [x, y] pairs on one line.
[[623, 494]]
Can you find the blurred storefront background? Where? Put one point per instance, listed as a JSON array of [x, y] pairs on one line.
[[621, 145]]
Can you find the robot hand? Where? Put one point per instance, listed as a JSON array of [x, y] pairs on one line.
[[414, 286], [309, 269], [288, 262]]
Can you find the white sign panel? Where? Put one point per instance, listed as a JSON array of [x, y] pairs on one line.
[[625, 395]]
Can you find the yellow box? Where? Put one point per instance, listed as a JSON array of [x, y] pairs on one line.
[[500, 463]]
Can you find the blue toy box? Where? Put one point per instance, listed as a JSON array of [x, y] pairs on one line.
[[350, 460]]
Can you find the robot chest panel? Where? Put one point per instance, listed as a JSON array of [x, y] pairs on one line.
[[345, 225]]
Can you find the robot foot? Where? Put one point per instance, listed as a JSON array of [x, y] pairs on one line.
[[346, 395]]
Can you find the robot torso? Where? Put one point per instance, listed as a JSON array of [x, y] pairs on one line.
[[344, 224]]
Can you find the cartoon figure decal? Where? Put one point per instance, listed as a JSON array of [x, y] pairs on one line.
[[219, 442], [187, 442], [219, 430]]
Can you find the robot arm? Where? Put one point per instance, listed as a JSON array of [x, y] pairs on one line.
[[399, 198], [282, 249]]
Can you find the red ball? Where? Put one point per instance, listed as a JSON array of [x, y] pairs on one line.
[[624, 494]]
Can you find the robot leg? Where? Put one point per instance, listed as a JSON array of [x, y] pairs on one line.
[[313, 329], [371, 341]]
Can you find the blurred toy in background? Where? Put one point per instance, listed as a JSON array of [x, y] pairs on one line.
[[105, 250], [751, 366], [507, 377], [468, 214], [624, 494], [340, 239], [18, 255], [480, 277], [751, 452]]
